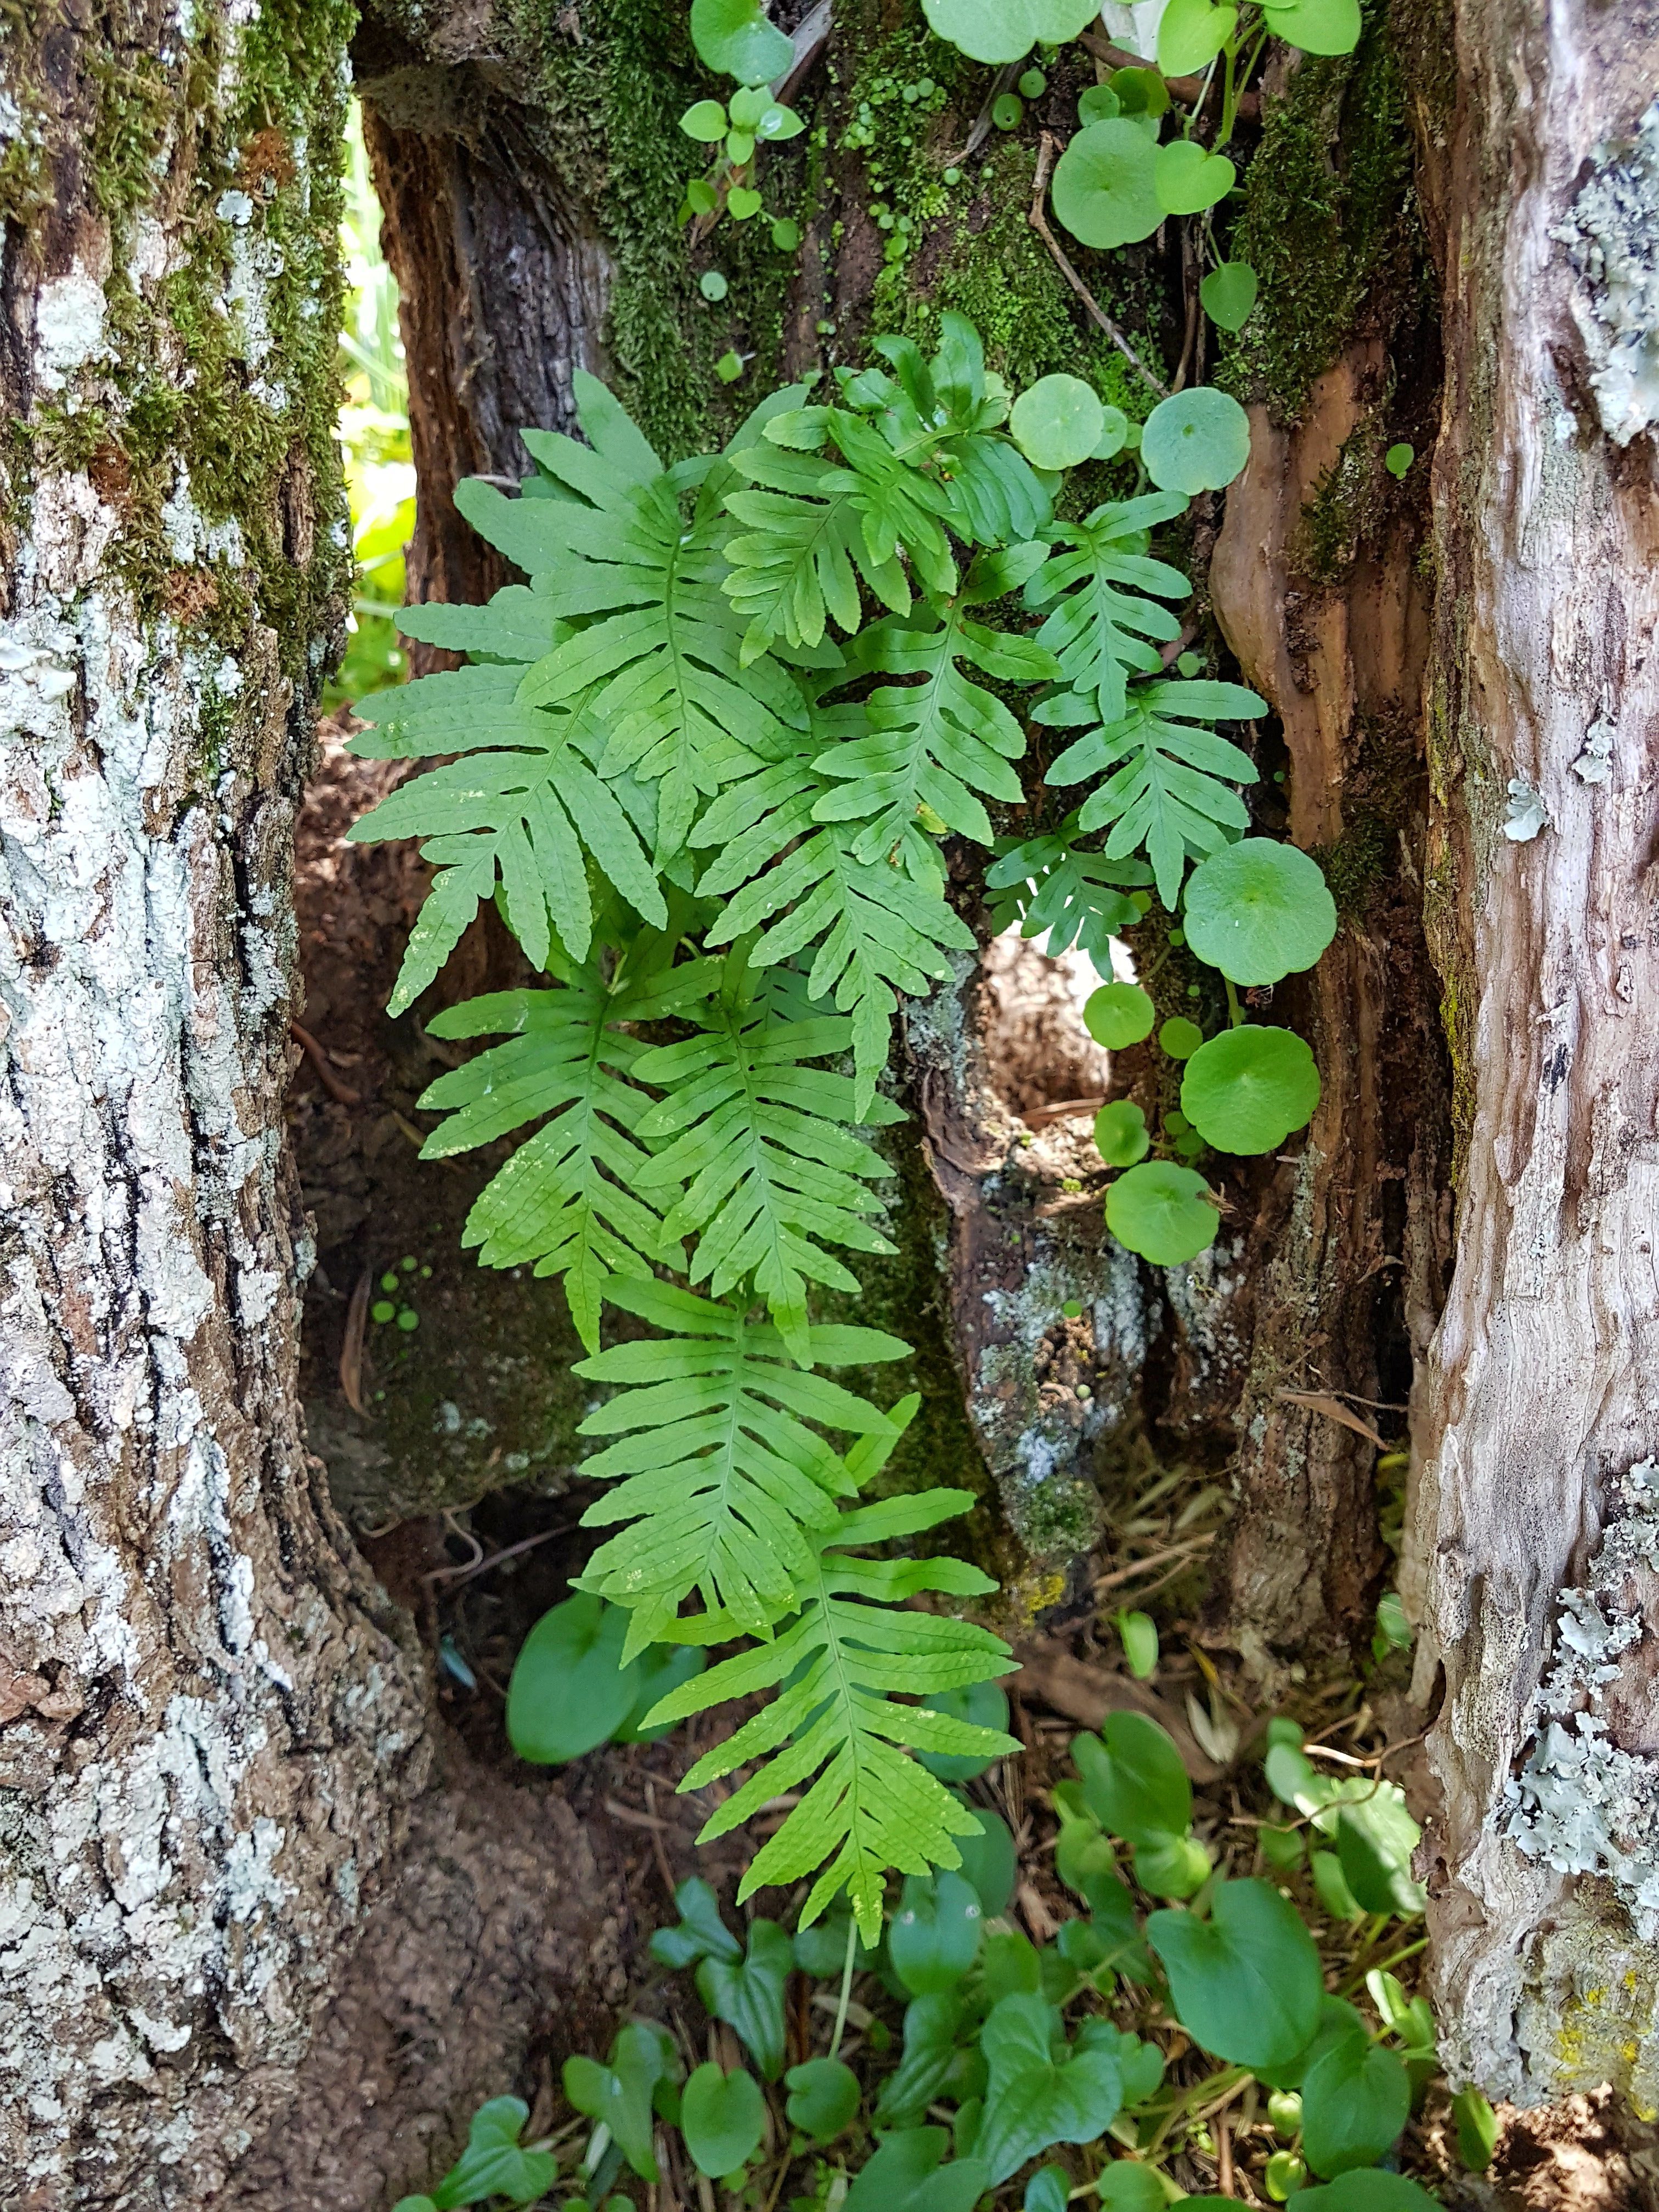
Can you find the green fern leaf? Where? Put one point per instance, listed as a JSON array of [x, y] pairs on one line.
[[519, 624], [1167, 794], [1047, 885], [1097, 627], [759, 1140], [871, 1808], [573, 1200], [724, 1476]]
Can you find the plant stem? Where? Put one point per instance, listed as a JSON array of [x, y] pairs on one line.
[[846, 1988], [1408, 1951], [1234, 1012]]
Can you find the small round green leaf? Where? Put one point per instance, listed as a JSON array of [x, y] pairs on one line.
[[1105, 188], [722, 2118], [823, 2099], [712, 284], [1118, 1014], [705, 120], [729, 367], [1246, 1090], [1196, 440], [1126, 2185], [1033, 84], [1098, 104], [734, 37], [1175, 1866], [786, 234], [1133, 1779], [1113, 434], [982, 1705], [742, 203], [1187, 179], [739, 146], [1355, 2101], [1121, 1133], [1161, 1211], [934, 1936], [1141, 92], [1317, 27], [1058, 421], [1246, 1983], [1229, 294], [1180, 1038], [1258, 911], [569, 1690], [1006, 30], [1007, 110], [1191, 33], [1138, 1632], [1399, 459]]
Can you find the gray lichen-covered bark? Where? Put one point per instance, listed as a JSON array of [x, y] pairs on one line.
[[210, 1715], [1537, 1414]]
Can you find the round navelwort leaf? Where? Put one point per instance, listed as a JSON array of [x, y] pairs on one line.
[[1164, 1213], [1228, 295], [1115, 428], [1317, 27], [1105, 188], [1399, 459], [1355, 2099], [712, 284], [1118, 1014], [786, 234], [1246, 1983], [722, 2118], [1007, 110], [569, 1690], [1058, 421], [729, 367], [1179, 1037], [1195, 441], [823, 2099], [705, 119], [1141, 92], [1006, 30], [1187, 178], [1258, 911], [1097, 104], [1191, 33], [1246, 1090], [981, 1703], [734, 37], [1120, 1134], [1032, 85]]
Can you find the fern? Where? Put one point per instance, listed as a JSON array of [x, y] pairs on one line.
[[1047, 885], [572, 1200], [856, 1643], [1097, 627], [1166, 794], [725, 1481], [759, 1141]]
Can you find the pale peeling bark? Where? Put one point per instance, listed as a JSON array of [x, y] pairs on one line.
[[1532, 1546], [209, 1717]]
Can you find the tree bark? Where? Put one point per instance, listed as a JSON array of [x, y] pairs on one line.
[[210, 1716], [1537, 1410]]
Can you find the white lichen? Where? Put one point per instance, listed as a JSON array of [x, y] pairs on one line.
[[68, 327], [1612, 239], [1525, 814]]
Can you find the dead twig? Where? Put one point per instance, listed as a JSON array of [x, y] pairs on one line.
[[982, 129], [351, 1348], [341, 1093], [481, 1566], [1153, 1559], [1059, 1109], [1039, 223], [1320, 1402], [658, 1846]]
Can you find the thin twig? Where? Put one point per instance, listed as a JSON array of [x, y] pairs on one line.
[[1059, 1109], [351, 1347], [341, 1093], [1039, 223], [1153, 1559], [481, 1566], [982, 122], [658, 1846]]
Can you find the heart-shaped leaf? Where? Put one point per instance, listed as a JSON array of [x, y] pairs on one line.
[[1057, 422], [1133, 1782], [659, 1668], [734, 37], [905, 2175], [932, 2025], [1195, 441], [749, 1998], [1191, 33], [1317, 27], [1126, 2185], [1118, 1014], [1039, 2091], [1121, 1135], [493, 2165], [823, 2099], [1139, 2065], [569, 1690], [619, 2095], [1228, 295], [1355, 2099], [1097, 103], [1246, 1090], [934, 1936], [722, 2118], [1258, 911], [1105, 191], [1188, 179], [1006, 30], [701, 1933], [1246, 1982], [704, 119], [1174, 1866], [1162, 1212], [1376, 1837]]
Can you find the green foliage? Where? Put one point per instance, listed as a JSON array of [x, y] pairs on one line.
[[1164, 1213], [1118, 1014], [1258, 911], [1246, 1090], [722, 2118], [1058, 421], [494, 2163], [1228, 295], [1006, 30]]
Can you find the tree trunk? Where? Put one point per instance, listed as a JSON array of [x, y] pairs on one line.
[[1537, 1412], [211, 1715]]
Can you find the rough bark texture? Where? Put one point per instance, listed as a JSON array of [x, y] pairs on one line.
[[1533, 1540], [210, 1718]]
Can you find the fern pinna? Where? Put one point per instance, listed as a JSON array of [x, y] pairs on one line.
[[715, 827]]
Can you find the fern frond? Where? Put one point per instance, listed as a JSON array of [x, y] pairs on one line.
[[1048, 884], [523, 803], [932, 747], [835, 1718], [760, 1141], [1096, 587], [573, 1200], [1166, 794], [724, 1475]]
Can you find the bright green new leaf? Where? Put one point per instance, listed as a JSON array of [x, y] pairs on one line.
[[988, 1862], [1355, 2099], [1317, 27], [1141, 92], [1246, 1090], [1105, 188], [1179, 1037], [1376, 1837], [1398, 459], [1040, 2090], [1121, 1135], [1187, 179], [906, 2175], [569, 1689], [734, 37], [1366, 2189], [1097, 103], [934, 1936], [748, 1994], [618, 2096], [705, 119], [1118, 1014], [701, 1933], [743, 202], [1126, 2185], [1174, 1866], [1228, 295], [1006, 30], [1477, 2130], [1258, 911], [493, 2165], [1138, 1632], [985, 1704], [1057, 422], [1191, 33], [1196, 440], [1246, 1983], [823, 2099], [722, 2118], [1164, 1213], [1133, 1779]]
